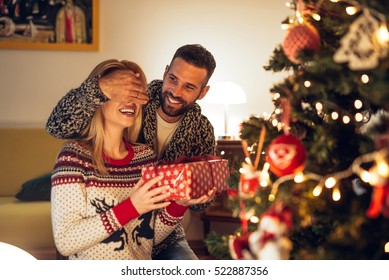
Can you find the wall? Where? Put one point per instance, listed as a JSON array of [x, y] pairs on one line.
[[240, 33]]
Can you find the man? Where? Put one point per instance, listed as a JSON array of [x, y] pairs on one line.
[[173, 124]]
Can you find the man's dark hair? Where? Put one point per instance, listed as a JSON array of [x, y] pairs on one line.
[[198, 56]]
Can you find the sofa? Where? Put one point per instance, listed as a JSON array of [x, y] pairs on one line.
[[27, 158]]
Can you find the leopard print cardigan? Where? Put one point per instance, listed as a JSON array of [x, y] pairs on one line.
[[193, 137]]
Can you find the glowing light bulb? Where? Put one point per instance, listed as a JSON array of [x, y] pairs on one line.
[[317, 190], [316, 17], [365, 78], [336, 194], [365, 176], [285, 26], [358, 117], [383, 168], [242, 170], [271, 197], [330, 182], [319, 106], [307, 84], [346, 119], [351, 10], [358, 104], [299, 178], [382, 34], [334, 116], [299, 17], [254, 219]]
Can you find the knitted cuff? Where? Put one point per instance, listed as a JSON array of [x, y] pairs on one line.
[[125, 212], [176, 210]]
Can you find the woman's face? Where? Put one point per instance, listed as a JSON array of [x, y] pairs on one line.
[[118, 114]]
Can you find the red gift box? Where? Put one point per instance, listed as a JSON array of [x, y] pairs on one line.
[[191, 178]]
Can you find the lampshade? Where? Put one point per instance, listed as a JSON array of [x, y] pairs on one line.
[[226, 93], [12, 253]]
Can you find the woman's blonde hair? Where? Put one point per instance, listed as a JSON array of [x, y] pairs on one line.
[[93, 135]]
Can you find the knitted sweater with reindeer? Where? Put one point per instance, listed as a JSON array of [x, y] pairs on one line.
[[193, 137], [92, 214]]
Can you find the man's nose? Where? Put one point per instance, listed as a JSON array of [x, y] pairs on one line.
[[177, 90]]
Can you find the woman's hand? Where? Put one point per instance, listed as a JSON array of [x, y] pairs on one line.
[[203, 199], [145, 199]]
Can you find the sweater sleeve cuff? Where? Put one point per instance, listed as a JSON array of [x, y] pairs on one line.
[[98, 93], [125, 212], [176, 210]]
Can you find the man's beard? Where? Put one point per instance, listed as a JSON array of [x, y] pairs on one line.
[[173, 111]]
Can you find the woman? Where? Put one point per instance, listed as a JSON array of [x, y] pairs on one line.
[[100, 207]]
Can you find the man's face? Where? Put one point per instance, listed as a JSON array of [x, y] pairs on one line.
[[183, 84]]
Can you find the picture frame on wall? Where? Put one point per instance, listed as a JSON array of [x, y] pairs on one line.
[[49, 24]]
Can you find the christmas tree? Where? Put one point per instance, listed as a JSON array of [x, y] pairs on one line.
[[315, 181]]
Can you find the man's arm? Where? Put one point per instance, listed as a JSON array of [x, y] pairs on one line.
[[207, 147], [75, 110]]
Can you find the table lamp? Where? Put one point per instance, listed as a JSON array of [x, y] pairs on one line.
[[12, 253], [226, 93]]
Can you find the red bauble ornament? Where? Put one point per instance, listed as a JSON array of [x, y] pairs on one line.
[[286, 155], [298, 38]]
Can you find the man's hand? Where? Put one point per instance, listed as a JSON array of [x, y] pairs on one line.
[[203, 199], [123, 86]]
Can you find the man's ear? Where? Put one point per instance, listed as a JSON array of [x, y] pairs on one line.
[[203, 92]]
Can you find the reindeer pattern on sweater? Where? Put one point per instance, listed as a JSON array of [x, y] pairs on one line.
[[92, 215]]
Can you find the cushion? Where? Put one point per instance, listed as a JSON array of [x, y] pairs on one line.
[[26, 225], [36, 189]]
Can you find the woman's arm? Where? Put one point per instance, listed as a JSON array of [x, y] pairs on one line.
[[167, 220], [77, 225]]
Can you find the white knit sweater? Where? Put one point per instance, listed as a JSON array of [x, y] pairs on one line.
[[92, 215]]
